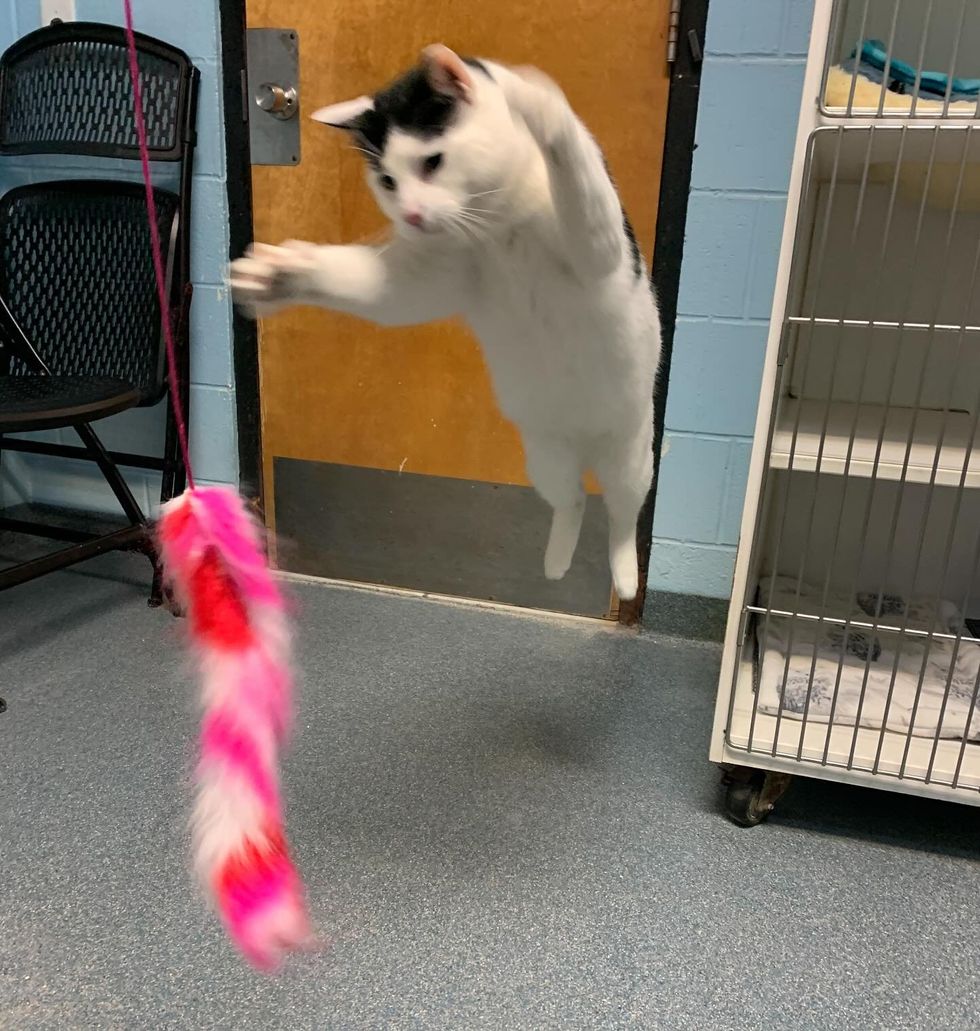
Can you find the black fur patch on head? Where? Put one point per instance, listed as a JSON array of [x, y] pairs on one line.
[[411, 104]]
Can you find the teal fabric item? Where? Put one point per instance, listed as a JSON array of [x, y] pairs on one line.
[[874, 53]]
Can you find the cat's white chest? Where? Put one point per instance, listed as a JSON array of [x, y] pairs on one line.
[[545, 334]]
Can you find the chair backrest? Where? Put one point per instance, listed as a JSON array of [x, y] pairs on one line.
[[77, 274], [65, 89], [75, 262]]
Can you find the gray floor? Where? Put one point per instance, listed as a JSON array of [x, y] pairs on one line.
[[504, 823]]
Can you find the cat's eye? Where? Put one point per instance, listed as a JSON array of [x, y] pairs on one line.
[[431, 163], [387, 183]]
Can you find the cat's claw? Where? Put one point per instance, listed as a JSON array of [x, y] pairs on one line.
[[269, 278]]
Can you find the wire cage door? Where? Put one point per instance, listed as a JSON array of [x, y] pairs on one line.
[[854, 639]]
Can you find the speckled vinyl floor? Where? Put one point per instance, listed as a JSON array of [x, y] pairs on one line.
[[504, 822]]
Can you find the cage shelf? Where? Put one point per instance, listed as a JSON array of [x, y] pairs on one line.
[[869, 424]]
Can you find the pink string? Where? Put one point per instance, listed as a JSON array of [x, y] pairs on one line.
[[151, 207]]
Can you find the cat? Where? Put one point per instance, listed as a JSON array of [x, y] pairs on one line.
[[504, 213]]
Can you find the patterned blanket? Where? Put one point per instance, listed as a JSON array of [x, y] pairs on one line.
[[906, 681]]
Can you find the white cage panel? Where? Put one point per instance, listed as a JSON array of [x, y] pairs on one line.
[[853, 646]]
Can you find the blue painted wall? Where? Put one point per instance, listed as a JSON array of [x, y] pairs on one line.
[[750, 94], [191, 25]]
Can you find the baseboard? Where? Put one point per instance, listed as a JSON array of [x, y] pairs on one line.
[[692, 616]]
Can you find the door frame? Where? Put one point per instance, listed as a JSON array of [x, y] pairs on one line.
[[675, 180], [668, 248]]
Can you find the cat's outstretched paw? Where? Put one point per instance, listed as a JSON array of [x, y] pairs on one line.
[[539, 101], [269, 278]]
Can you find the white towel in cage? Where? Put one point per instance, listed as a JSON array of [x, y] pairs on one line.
[[869, 667]]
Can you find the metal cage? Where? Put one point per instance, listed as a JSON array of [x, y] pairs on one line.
[[851, 650], [889, 59]]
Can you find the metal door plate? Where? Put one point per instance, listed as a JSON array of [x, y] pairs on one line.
[[273, 61]]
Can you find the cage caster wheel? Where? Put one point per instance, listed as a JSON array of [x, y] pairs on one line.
[[3, 705], [751, 795]]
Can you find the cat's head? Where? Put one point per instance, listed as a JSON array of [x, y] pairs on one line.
[[439, 143]]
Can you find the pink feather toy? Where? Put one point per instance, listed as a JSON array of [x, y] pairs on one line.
[[211, 551], [213, 557]]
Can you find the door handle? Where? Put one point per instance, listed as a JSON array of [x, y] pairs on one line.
[[278, 101], [271, 93]]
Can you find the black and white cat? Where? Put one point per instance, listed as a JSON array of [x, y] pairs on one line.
[[504, 214]]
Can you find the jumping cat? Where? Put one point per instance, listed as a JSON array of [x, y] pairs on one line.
[[504, 214]]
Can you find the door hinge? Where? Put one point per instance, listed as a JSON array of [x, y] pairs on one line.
[[673, 30]]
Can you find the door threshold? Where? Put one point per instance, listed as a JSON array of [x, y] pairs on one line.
[[595, 622]]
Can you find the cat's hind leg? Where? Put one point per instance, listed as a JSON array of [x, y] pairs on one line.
[[625, 470], [555, 469]]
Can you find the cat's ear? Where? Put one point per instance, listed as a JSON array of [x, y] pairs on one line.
[[447, 72], [344, 114]]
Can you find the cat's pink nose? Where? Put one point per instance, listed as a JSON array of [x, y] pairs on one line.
[[414, 218]]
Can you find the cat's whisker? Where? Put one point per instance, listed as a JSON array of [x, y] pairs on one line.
[[464, 222], [475, 213], [470, 230], [473, 221], [458, 231], [455, 228]]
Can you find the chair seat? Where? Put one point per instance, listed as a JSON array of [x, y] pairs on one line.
[[45, 402]]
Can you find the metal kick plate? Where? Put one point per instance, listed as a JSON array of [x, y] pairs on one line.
[[273, 71]]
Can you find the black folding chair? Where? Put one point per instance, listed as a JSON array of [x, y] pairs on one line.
[[80, 321]]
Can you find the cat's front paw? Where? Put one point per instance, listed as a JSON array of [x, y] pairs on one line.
[[539, 101], [269, 278]]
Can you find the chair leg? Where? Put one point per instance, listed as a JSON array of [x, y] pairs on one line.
[[129, 538], [129, 504], [170, 450], [161, 592], [155, 599], [183, 386], [174, 480], [112, 475], [173, 464]]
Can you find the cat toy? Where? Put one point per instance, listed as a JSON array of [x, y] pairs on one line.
[[212, 555]]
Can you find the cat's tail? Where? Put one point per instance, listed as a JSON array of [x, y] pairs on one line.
[[211, 550]]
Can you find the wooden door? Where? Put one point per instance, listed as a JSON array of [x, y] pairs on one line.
[[376, 440]]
